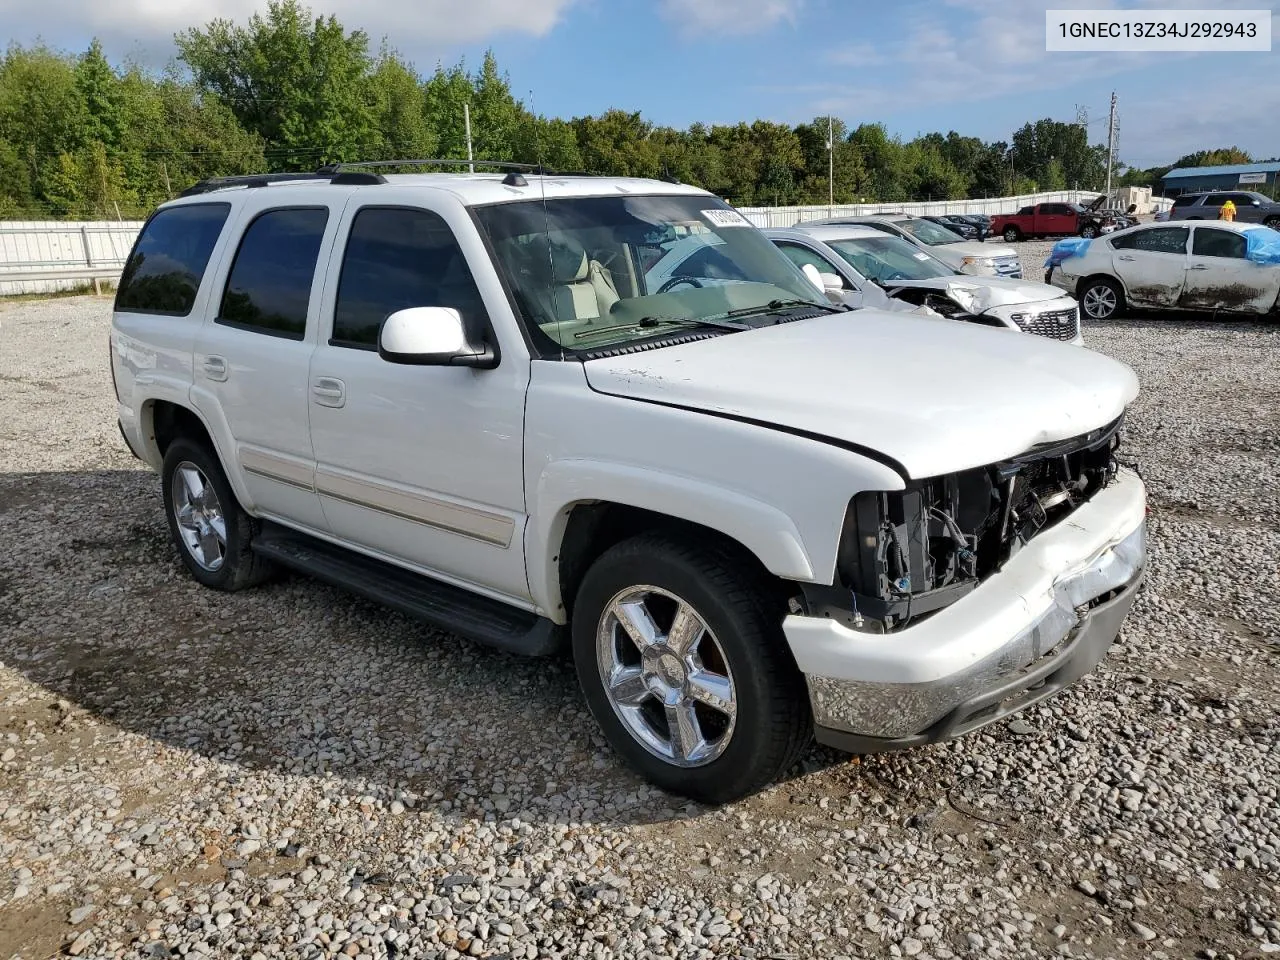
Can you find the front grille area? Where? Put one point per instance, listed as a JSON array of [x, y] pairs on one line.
[[1009, 267], [905, 554], [1054, 324]]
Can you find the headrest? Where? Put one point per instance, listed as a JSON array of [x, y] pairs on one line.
[[566, 260]]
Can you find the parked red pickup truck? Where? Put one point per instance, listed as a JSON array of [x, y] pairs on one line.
[[1048, 220]]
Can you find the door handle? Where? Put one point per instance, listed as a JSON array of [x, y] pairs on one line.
[[1197, 266], [329, 391], [1124, 257], [215, 368]]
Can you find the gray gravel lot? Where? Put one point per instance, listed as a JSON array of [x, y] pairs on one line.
[[293, 772]]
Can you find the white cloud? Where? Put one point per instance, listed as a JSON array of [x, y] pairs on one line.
[[988, 49], [728, 16], [147, 26]]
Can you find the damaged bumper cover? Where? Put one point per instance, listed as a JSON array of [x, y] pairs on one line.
[[1043, 621]]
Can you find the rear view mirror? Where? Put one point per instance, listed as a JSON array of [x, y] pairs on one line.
[[431, 336]]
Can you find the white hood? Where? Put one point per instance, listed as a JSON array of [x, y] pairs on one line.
[[980, 294], [934, 395]]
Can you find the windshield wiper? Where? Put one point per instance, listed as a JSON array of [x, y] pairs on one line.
[[774, 305], [645, 323]]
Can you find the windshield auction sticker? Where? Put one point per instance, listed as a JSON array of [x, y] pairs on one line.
[[1155, 30], [726, 218]]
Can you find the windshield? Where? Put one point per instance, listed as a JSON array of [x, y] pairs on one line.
[[926, 231], [589, 272], [885, 260]]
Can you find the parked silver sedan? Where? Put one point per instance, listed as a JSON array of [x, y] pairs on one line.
[[864, 267]]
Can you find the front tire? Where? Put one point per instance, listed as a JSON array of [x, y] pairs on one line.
[[1088, 231], [1101, 298], [212, 532], [1272, 222], [683, 663]]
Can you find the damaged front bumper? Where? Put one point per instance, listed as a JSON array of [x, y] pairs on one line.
[[1043, 621]]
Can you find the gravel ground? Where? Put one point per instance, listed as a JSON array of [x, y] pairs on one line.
[[293, 772]]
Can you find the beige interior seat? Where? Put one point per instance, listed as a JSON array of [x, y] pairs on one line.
[[585, 291]]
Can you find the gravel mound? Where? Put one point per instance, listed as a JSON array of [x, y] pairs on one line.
[[291, 772]]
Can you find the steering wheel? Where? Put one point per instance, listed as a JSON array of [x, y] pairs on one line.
[[676, 281]]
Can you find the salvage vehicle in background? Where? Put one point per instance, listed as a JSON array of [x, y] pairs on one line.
[[1250, 207], [1218, 266], [460, 397], [964, 256], [1049, 220], [963, 227], [853, 259]]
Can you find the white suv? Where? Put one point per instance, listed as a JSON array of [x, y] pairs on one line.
[[750, 514]]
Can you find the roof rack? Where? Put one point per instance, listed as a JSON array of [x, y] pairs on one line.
[[330, 173], [358, 173]]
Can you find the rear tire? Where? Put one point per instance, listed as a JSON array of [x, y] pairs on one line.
[[651, 695], [212, 532], [1012, 234], [1101, 298]]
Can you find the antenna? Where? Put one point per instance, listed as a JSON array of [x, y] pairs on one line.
[[466, 116]]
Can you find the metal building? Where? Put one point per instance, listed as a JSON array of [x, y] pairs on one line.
[[1258, 177]]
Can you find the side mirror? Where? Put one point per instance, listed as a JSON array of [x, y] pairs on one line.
[[831, 282], [431, 336]]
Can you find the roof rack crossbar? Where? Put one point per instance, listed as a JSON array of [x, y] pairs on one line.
[[496, 164], [330, 173]]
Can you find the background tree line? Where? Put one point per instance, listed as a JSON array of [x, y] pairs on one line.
[[80, 137]]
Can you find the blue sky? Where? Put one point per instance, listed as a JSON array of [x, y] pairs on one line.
[[975, 66]]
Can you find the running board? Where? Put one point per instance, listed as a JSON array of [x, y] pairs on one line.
[[440, 604]]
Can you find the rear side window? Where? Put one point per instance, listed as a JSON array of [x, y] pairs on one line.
[[164, 270], [1027, 212], [1218, 243], [269, 289], [1215, 199], [1186, 201], [396, 259], [1159, 240]]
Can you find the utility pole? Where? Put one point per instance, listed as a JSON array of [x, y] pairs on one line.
[[831, 169], [1111, 143], [466, 116]]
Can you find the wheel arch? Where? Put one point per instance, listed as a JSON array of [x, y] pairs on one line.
[[161, 421], [1083, 284]]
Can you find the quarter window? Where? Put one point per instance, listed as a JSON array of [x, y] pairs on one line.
[[269, 289], [400, 258], [1218, 243], [1159, 240], [167, 264]]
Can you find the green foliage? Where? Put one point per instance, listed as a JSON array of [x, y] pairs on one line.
[[1223, 156], [288, 90]]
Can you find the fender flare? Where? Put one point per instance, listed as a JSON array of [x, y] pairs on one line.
[[767, 532]]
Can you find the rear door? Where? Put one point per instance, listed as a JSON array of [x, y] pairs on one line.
[[252, 357], [1219, 277], [1055, 218], [1152, 264]]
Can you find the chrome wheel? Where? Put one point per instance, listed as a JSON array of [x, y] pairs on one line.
[[1100, 301], [666, 676], [201, 523]]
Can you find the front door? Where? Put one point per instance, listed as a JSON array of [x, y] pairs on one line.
[[253, 357], [1220, 277], [420, 465], [1152, 264]]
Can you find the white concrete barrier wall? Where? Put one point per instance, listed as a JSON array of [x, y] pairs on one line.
[[61, 245]]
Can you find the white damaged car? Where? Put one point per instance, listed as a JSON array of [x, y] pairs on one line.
[[1214, 266], [865, 267]]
